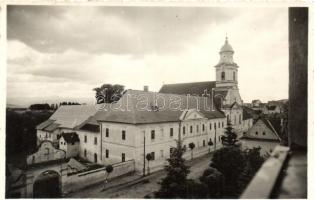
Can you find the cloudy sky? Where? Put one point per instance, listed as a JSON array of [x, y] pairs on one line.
[[57, 53]]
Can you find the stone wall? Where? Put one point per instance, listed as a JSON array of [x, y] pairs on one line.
[[81, 180]]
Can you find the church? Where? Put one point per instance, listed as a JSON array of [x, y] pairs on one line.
[[224, 91], [144, 122]]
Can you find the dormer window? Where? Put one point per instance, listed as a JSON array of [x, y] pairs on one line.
[[222, 76]]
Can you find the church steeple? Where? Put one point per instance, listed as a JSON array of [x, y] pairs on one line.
[[226, 53], [226, 69]]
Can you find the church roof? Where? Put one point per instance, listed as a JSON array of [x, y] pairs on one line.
[[138, 107], [226, 47], [195, 88]]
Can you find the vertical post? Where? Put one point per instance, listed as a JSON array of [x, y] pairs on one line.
[[101, 141], [215, 137], [144, 155], [298, 77]]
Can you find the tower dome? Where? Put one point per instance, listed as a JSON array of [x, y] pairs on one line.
[[226, 47]]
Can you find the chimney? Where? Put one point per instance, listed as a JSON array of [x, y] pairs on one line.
[[145, 88]]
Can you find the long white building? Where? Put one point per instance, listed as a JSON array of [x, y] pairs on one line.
[[143, 122]]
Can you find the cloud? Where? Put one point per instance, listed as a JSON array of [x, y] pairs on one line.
[[115, 30], [70, 50]]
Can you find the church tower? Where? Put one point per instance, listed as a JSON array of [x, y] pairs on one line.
[[227, 76], [226, 69]]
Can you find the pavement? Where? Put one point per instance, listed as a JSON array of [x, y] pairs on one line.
[[136, 186]]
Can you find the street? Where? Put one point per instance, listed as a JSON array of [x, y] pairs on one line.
[[140, 187]]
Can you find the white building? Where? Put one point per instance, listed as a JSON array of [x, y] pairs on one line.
[[143, 122], [263, 134]]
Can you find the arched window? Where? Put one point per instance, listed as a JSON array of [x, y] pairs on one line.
[[222, 76], [234, 76]]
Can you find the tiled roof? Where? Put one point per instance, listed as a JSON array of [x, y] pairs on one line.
[[195, 88], [70, 137], [72, 116], [137, 107], [45, 124], [276, 124]]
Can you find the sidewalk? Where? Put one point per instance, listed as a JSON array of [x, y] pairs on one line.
[[137, 186]]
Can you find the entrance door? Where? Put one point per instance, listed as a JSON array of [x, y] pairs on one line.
[[47, 185]]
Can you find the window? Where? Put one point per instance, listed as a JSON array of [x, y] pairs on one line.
[[191, 129], [107, 153], [85, 139], [95, 140], [218, 124], [107, 132], [85, 153], [240, 119], [171, 132], [46, 135], [222, 76], [215, 125], [161, 153], [95, 157], [222, 124], [197, 128], [234, 76], [203, 127], [210, 126], [152, 135], [153, 155], [203, 143], [256, 133], [123, 135], [264, 133], [47, 152], [183, 130], [123, 157]]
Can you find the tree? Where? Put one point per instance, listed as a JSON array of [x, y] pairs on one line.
[[214, 181], [230, 137], [149, 157], [230, 162], [254, 161], [175, 184], [108, 93], [191, 146]]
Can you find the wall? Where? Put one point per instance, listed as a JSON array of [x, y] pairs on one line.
[[71, 150], [115, 144], [89, 146], [261, 128], [266, 146], [46, 152], [81, 180]]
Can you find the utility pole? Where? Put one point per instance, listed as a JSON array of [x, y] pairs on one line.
[[215, 137], [144, 155]]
